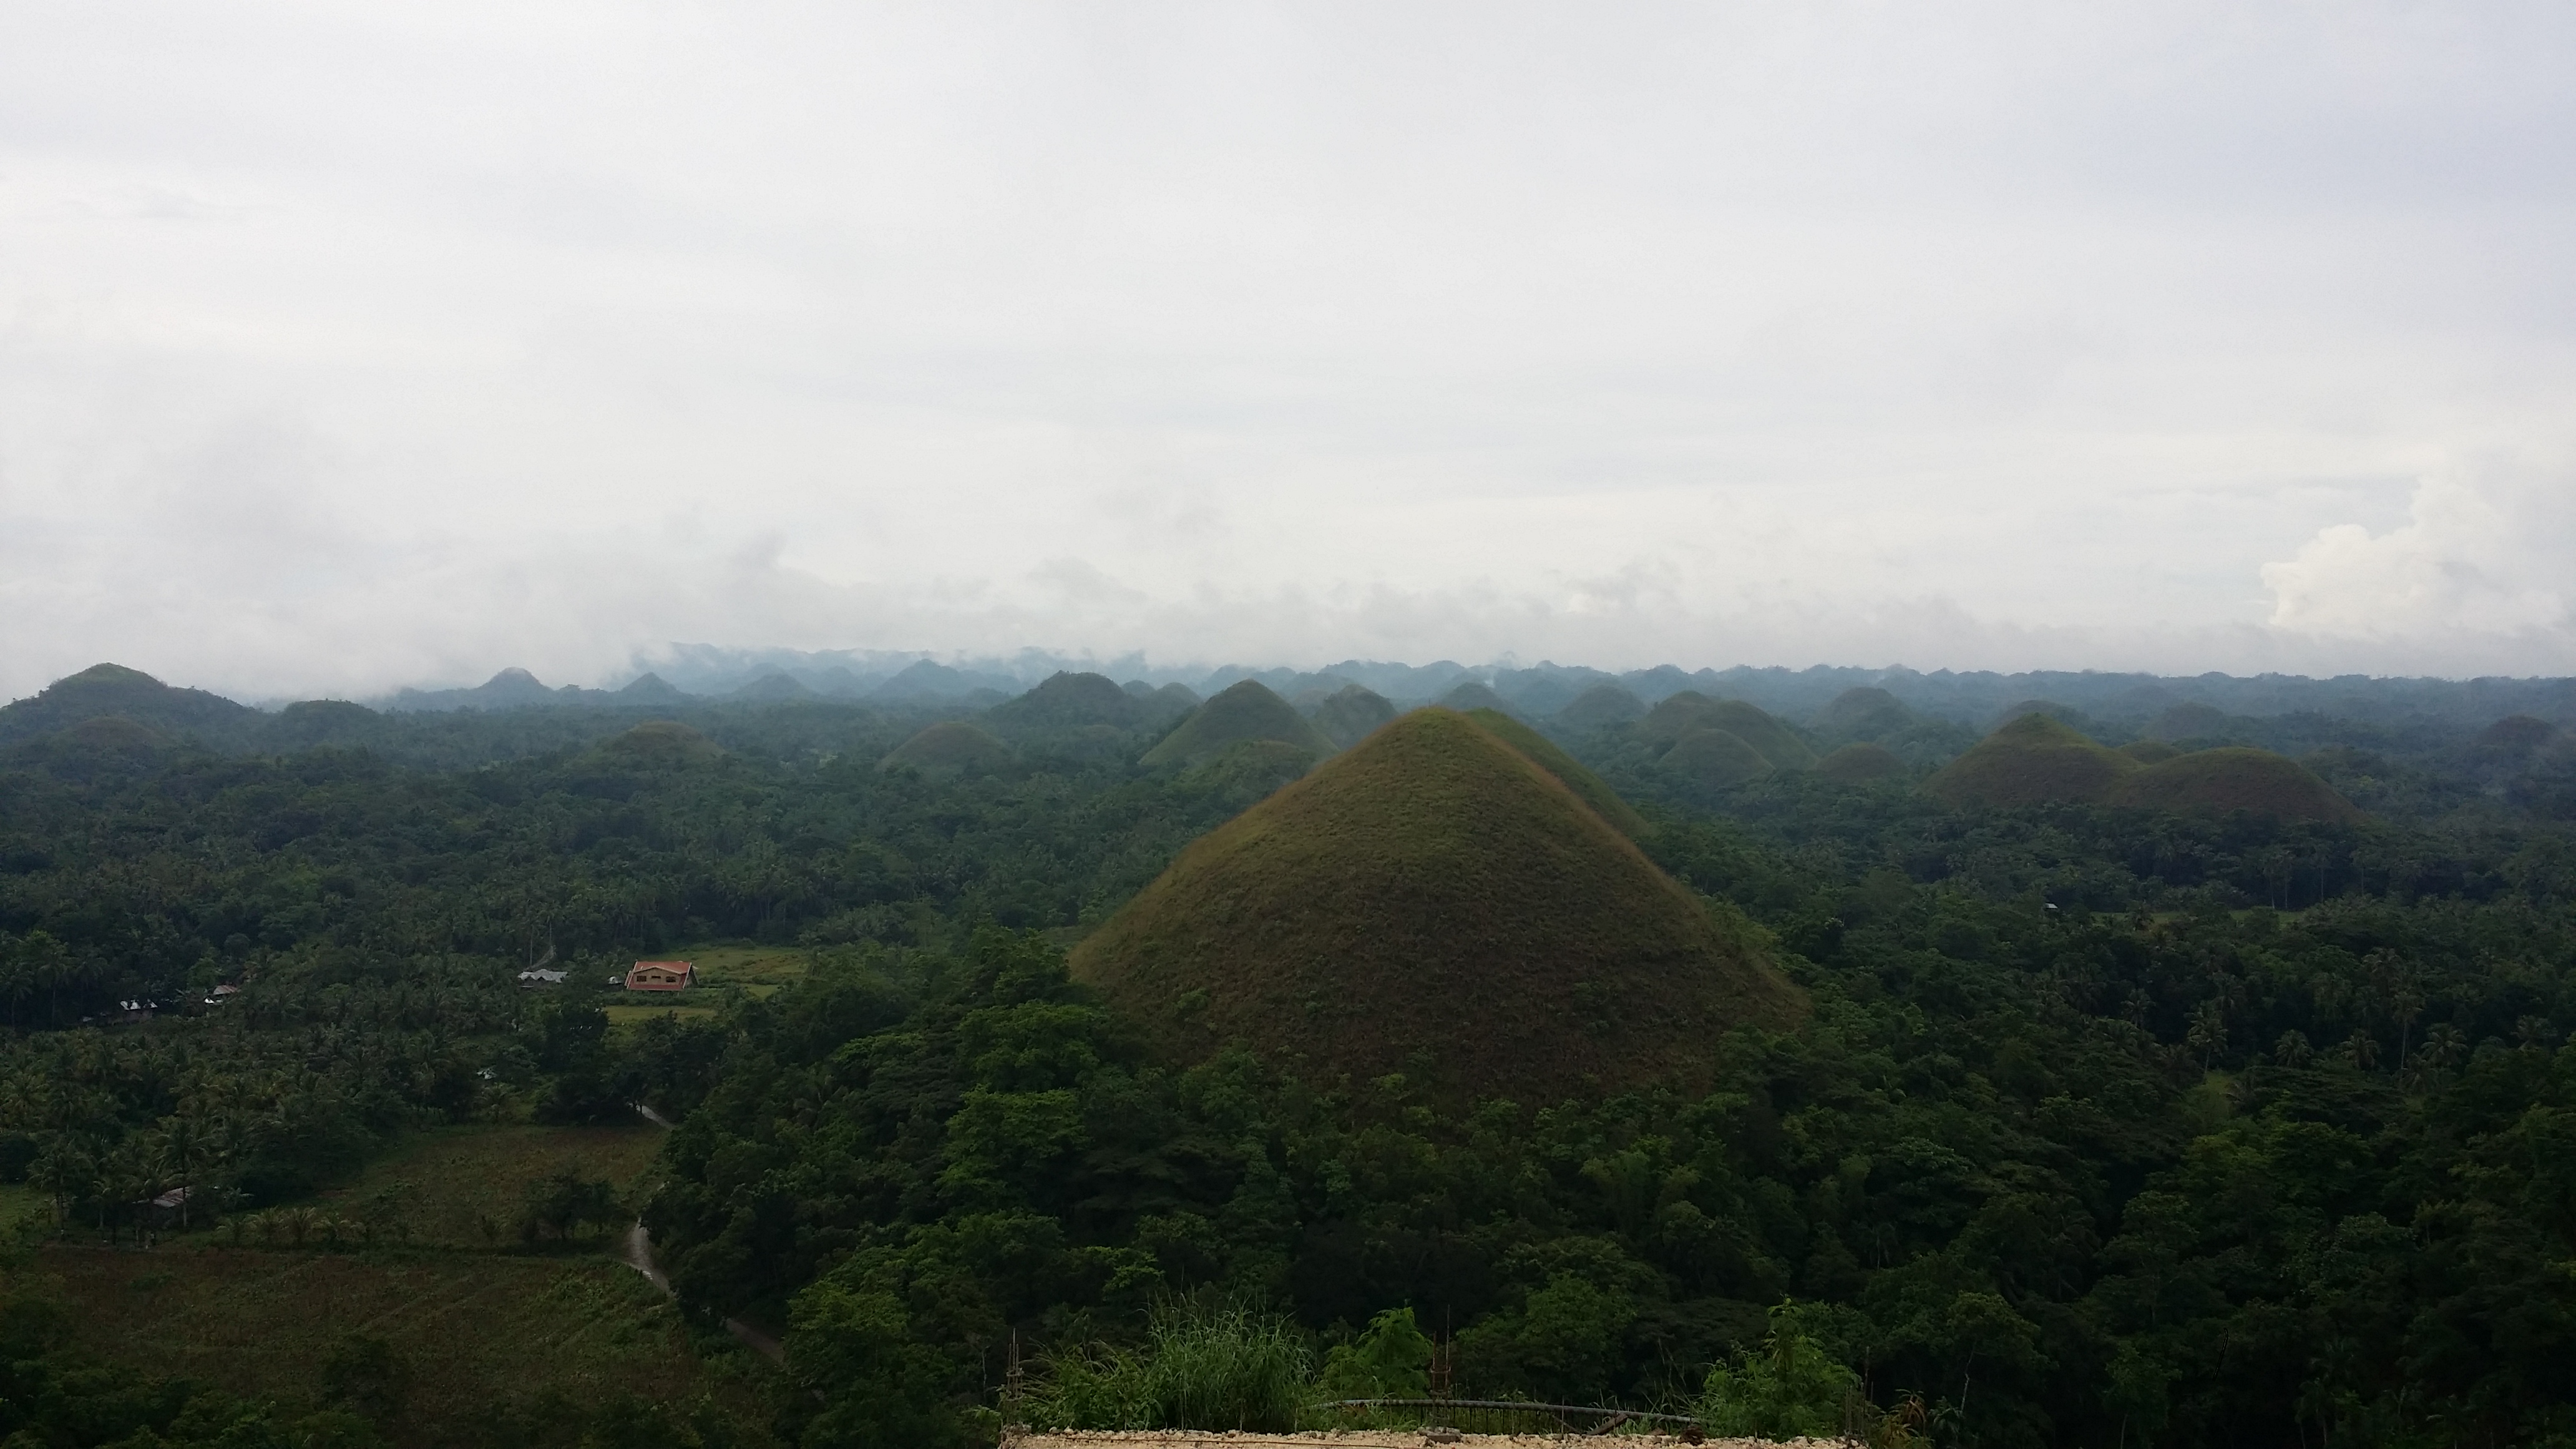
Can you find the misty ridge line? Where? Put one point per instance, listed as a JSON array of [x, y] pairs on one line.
[[703, 675]]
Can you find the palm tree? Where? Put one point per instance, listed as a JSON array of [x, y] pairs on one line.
[[184, 1152], [60, 1169]]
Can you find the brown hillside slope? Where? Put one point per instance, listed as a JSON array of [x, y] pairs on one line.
[[1545, 753], [1245, 710], [2224, 780], [2033, 760], [948, 746], [1679, 714], [1434, 900], [1714, 757]]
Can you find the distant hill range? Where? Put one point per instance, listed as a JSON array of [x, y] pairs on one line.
[[1922, 718], [1841, 703]]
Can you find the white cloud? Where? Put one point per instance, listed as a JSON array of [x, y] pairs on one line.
[[344, 346], [2477, 558]]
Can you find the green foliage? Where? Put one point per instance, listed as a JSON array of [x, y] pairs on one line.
[[1390, 1360], [1789, 1388], [365, 1375], [1202, 1366], [566, 1203], [2110, 1123]]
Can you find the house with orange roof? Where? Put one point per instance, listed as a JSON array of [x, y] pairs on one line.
[[661, 976]]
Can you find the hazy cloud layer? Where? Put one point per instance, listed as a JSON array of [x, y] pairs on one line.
[[345, 346]]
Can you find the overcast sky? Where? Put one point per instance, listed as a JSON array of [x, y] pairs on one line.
[[352, 345]]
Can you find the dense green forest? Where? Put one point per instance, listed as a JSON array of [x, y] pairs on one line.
[[2108, 1125]]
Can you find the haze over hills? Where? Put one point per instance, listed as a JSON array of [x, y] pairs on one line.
[[2137, 703], [1693, 738]]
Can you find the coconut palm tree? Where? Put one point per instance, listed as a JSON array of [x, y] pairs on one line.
[[61, 1169]]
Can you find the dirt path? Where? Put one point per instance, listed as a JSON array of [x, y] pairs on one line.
[[638, 1255]]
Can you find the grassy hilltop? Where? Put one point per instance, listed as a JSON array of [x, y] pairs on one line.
[[1240, 712], [2037, 760], [948, 746], [1433, 899]]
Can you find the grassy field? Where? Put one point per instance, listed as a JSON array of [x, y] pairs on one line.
[[458, 1175], [17, 1200], [757, 970], [476, 1329], [627, 1018]]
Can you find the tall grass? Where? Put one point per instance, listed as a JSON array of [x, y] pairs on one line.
[[1202, 1366]]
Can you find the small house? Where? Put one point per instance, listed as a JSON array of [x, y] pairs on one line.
[[541, 977], [661, 976], [168, 1208]]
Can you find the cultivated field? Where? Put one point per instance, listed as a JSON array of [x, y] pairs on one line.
[[448, 1180], [476, 1330], [755, 970]]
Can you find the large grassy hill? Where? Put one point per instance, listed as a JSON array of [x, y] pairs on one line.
[[2222, 780], [1714, 757], [1350, 714], [1865, 712], [1434, 902], [1600, 707], [948, 746], [1547, 755], [1474, 695], [2036, 760], [1248, 710], [1068, 701], [2032, 760], [113, 689], [1679, 714]]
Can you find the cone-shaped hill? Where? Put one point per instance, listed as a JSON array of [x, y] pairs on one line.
[[1474, 695], [1679, 714], [2037, 760], [2031, 761], [2520, 733], [112, 689], [1069, 701], [1248, 710], [948, 746], [1543, 752], [660, 742], [1865, 712], [2223, 780], [1600, 707], [1714, 757], [1350, 714], [1434, 901]]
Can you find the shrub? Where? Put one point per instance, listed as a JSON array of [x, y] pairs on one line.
[[1202, 1367], [1791, 1388]]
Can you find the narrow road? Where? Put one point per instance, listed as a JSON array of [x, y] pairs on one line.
[[639, 1256]]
